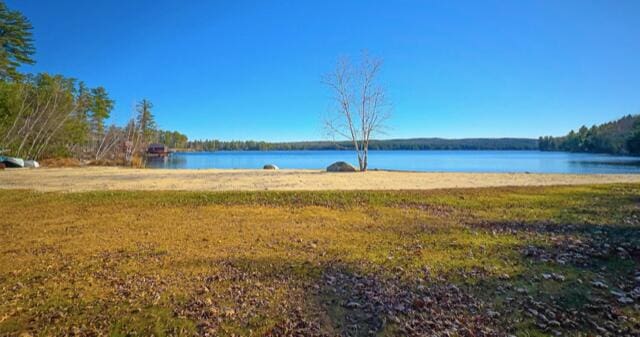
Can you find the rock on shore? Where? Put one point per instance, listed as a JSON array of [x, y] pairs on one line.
[[341, 166]]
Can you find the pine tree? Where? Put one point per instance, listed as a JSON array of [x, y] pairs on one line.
[[16, 43]]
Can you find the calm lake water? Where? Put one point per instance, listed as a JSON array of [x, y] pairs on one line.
[[431, 161]]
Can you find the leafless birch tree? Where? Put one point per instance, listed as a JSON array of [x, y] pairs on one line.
[[49, 104], [360, 109]]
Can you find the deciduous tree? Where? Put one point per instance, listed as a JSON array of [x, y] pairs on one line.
[[360, 107]]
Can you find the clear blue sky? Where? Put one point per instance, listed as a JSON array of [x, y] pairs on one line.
[[252, 69]]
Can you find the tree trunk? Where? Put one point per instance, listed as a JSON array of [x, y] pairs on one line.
[[365, 160]]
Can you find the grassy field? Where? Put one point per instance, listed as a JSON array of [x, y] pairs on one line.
[[478, 262]]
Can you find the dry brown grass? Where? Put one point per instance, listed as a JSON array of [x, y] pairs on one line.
[[137, 162], [188, 263], [106, 162], [60, 162]]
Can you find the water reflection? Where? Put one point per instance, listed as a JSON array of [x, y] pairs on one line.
[[171, 161], [607, 162]]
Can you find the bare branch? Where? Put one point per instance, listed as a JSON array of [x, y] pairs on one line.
[[357, 87]]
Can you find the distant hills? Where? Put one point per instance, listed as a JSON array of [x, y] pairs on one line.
[[621, 136]]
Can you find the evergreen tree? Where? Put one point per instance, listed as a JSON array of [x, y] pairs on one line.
[[145, 122], [16, 43], [633, 143], [616, 137]]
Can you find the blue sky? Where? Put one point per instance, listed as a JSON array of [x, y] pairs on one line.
[[252, 69]]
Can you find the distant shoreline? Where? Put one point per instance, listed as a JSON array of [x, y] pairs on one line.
[[370, 150], [410, 150], [375, 144]]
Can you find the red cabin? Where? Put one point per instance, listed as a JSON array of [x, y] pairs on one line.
[[157, 150]]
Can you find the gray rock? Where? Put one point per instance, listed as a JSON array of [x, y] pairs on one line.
[[341, 166], [270, 167]]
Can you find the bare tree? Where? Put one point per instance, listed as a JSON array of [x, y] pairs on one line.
[[110, 139], [360, 110], [130, 144], [46, 112], [139, 132], [49, 104]]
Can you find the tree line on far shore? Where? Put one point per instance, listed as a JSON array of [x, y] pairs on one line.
[[621, 136], [390, 144]]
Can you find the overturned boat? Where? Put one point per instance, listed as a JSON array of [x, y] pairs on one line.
[[12, 161]]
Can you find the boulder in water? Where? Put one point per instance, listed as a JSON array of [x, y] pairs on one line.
[[341, 166], [270, 167]]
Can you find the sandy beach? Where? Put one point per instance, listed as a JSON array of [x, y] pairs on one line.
[[114, 178]]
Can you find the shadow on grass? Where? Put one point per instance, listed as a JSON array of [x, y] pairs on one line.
[[333, 299], [576, 278]]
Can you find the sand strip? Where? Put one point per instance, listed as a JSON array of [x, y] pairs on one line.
[[115, 178]]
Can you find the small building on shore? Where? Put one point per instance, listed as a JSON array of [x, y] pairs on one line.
[[157, 150]]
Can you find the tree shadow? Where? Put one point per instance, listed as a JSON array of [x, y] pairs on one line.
[[339, 299], [575, 278], [554, 292]]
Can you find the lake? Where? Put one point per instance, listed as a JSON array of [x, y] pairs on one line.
[[428, 161]]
